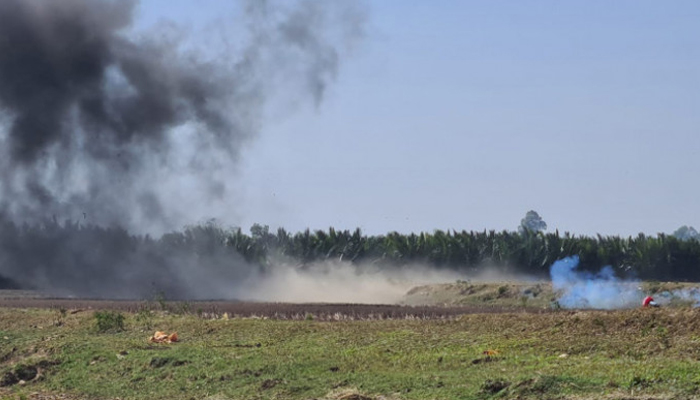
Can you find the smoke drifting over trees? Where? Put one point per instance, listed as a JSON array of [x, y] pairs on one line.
[[209, 262], [134, 129], [115, 130], [119, 133], [532, 222], [686, 233]]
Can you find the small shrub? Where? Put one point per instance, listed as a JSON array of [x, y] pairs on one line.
[[502, 290], [109, 321], [145, 318], [600, 323], [26, 372], [309, 317], [639, 382], [183, 308], [60, 315], [8, 379], [523, 300], [494, 386], [160, 298]]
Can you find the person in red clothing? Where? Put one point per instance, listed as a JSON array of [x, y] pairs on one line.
[[649, 302]]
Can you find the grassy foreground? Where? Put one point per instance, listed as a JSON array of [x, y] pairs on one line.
[[651, 353]]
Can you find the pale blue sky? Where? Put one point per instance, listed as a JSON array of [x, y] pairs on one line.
[[467, 114]]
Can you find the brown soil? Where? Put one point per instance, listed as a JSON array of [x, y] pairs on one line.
[[267, 310]]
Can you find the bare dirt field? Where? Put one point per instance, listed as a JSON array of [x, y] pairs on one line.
[[267, 310], [245, 309]]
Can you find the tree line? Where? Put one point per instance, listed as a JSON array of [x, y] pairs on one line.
[[660, 257], [526, 251]]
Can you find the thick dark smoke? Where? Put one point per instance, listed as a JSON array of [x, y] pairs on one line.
[[69, 259], [104, 126]]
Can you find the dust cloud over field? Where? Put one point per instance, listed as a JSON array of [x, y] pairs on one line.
[[342, 282]]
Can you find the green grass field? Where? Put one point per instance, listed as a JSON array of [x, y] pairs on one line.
[[650, 353]]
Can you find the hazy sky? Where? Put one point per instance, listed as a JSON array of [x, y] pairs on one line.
[[467, 114]]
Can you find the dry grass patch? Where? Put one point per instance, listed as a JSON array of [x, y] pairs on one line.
[[568, 354]]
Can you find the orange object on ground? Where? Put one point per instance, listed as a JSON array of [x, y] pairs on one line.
[[162, 337]]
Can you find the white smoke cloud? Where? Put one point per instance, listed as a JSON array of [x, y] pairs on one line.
[[602, 290]]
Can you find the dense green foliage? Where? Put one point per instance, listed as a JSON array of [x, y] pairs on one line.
[[661, 257], [109, 321]]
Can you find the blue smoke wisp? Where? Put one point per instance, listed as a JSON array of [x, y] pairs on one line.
[[602, 290]]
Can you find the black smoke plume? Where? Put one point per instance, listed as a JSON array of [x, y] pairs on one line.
[[107, 127]]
